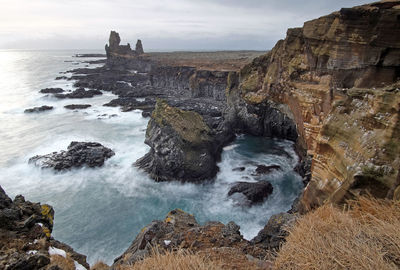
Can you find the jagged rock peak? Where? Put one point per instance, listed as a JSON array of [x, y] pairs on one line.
[[139, 47], [114, 49]]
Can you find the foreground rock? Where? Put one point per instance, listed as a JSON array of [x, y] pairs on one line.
[[254, 192], [180, 230], [275, 231], [52, 90], [25, 237], [77, 106], [78, 154], [39, 109], [80, 93], [182, 147]]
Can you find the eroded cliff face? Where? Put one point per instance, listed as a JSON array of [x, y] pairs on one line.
[[354, 50]]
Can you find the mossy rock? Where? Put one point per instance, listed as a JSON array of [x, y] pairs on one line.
[[187, 124]]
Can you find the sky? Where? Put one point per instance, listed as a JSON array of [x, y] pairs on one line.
[[161, 25]]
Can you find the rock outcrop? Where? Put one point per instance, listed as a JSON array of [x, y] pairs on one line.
[[182, 146], [114, 49], [80, 93], [77, 106], [52, 90], [78, 154], [254, 192], [25, 237], [181, 230], [334, 82], [39, 109]]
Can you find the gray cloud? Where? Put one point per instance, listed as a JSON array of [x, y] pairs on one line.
[[162, 25]]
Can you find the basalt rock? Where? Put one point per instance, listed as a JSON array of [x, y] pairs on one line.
[[53, 90], [80, 93], [39, 109], [263, 169], [115, 50], [78, 154], [25, 236], [180, 230], [77, 106], [182, 146], [275, 231], [256, 192], [139, 47]]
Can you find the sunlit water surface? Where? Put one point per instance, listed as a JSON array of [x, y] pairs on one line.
[[99, 211]]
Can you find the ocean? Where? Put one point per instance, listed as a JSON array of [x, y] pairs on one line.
[[99, 211]]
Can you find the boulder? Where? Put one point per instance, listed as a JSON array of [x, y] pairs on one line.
[[39, 109], [263, 169], [78, 154], [256, 192]]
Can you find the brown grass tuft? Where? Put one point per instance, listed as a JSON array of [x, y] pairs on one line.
[[100, 266], [364, 236], [178, 260]]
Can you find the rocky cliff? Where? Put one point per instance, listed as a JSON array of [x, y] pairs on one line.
[[25, 238], [325, 78]]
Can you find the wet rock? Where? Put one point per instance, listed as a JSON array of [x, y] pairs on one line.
[[53, 90], [182, 147], [78, 154], [275, 231], [239, 169], [39, 109], [263, 169], [80, 93], [77, 106], [256, 192]]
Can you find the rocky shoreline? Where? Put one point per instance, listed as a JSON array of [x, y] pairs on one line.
[[331, 87]]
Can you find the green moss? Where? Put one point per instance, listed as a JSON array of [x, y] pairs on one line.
[[373, 173], [189, 125]]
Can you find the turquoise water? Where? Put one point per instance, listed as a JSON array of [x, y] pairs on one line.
[[100, 211]]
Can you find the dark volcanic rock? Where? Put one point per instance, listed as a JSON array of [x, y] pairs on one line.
[[254, 192], [53, 90], [80, 93], [239, 169], [263, 169], [39, 109], [77, 106], [139, 47], [274, 233], [182, 147], [25, 235], [181, 230], [78, 154]]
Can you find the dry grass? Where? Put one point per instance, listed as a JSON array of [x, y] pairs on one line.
[[100, 266], [61, 262], [364, 236], [179, 260]]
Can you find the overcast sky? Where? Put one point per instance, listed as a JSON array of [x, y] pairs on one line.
[[162, 25]]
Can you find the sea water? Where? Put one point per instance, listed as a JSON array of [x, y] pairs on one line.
[[99, 211]]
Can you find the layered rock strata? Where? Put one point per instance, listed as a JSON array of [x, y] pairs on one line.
[[334, 62]]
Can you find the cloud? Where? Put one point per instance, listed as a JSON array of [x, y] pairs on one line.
[[164, 24]]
